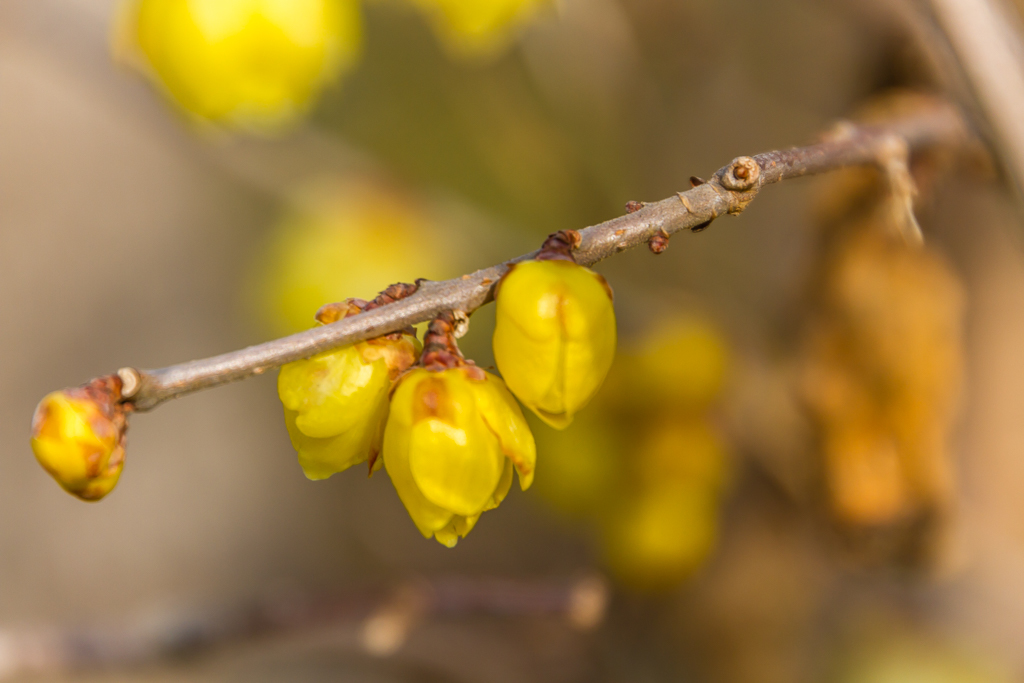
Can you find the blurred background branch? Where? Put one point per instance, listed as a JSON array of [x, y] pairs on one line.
[[375, 621]]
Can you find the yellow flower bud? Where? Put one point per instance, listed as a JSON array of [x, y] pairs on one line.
[[582, 468], [479, 27], [348, 237], [657, 538], [251, 64], [685, 449], [554, 336], [682, 364], [451, 442], [335, 403], [78, 437]]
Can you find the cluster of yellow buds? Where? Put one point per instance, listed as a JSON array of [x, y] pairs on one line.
[[647, 464], [259, 65], [882, 372], [449, 433], [78, 436]]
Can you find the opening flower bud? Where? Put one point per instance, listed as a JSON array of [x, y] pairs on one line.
[[554, 338], [78, 436], [452, 440], [335, 403]]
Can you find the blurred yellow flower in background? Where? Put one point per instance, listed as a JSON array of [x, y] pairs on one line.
[[681, 363], [255, 65], [475, 28], [581, 465], [345, 239], [647, 464], [659, 536]]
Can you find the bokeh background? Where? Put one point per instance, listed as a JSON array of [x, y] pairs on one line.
[[698, 487]]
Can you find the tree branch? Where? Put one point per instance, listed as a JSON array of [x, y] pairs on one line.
[[729, 191]]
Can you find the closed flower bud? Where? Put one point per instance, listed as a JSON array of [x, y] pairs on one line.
[[554, 339], [251, 64], [335, 403], [660, 536], [452, 439], [78, 436]]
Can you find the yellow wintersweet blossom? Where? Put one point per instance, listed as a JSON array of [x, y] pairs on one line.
[[554, 336], [256, 65], [452, 439], [79, 440], [479, 27], [335, 403]]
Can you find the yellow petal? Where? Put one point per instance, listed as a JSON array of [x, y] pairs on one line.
[[428, 517], [457, 528], [333, 392], [474, 28], [659, 537], [321, 458], [504, 418], [503, 487], [457, 469]]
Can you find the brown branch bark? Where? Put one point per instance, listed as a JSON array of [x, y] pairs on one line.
[[729, 191]]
